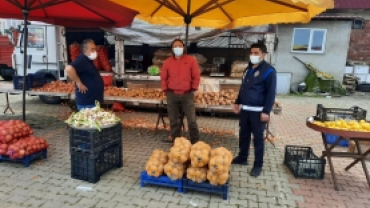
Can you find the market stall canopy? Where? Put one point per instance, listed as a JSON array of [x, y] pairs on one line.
[[226, 13], [73, 13], [140, 32]]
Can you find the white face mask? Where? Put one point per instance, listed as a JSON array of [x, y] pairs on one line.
[[178, 51], [93, 55], [255, 59]]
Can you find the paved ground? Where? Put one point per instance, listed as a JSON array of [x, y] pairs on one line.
[[48, 183]]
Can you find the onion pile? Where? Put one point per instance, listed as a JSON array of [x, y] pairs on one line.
[[26, 146], [57, 86], [16, 140], [93, 118], [13, 129]]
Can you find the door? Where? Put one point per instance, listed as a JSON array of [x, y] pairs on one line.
[[39, 56]]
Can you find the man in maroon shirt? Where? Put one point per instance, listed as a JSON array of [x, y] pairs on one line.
[[180, 77]]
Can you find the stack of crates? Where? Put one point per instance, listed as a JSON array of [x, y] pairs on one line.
[[95, 152]]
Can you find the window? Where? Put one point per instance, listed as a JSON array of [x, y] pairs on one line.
[[308, 40], [35, 38]]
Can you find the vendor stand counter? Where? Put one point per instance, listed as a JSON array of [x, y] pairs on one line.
[[355, 136], [56, 94]]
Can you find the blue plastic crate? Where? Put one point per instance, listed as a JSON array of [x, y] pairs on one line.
[[161, 180], [206, 187], [32, 81], [27, 159], [331, 138]]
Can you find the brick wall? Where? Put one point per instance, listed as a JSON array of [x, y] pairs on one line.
[[359, 47]]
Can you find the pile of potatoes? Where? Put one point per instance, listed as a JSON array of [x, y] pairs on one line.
[[224, 97], [135, 93]]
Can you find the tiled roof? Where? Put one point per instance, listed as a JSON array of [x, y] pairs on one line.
[[352, 4]]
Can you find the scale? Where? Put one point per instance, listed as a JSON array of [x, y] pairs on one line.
[[136, 66], [218, 61]]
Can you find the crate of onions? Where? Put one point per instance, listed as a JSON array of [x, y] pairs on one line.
[[17, 144]]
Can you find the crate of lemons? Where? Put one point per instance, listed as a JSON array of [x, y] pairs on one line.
[[199, 162], [345, 125]]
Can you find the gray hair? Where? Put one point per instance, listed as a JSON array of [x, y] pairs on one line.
[[84, 44]]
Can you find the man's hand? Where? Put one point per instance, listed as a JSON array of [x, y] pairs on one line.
[[81, 87], [264, 117], [236, 108]]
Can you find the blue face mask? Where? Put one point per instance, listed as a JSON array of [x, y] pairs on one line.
[[178, 51]]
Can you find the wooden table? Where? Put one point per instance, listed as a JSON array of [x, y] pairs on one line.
[[357, 137]]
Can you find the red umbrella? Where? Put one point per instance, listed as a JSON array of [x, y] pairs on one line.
[[73, 13]]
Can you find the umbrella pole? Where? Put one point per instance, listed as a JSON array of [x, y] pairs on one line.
[[187, 20], [25, 44], [186, 37]]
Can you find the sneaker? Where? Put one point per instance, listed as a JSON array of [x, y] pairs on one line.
[[239, 161], [256, 171]]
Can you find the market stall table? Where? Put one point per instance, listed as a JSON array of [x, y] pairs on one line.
[[357, 137], [9, 91]]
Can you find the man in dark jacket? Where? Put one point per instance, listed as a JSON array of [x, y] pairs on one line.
[[89, 83], [180, 78], [254, 103]]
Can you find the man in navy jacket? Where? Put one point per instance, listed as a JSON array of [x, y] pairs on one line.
[[254, 103]]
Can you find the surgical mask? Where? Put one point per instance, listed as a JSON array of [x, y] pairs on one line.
[[93, 55], [178, 51], [254, 59]]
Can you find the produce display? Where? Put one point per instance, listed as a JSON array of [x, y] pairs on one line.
[[153, 70], [180, 151], [154, 166], [16, 140], [200, 154], [163, 52], [174, 171], [74, 51], [13, 129], [56, 86], [205, 163], [198, 175], [98, 64], [238, 68], [219, 166], [103, 58], [135, 93], [224, 97], [93, 118], [345, 125]]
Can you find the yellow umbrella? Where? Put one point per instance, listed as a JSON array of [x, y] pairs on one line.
[[226, 14]]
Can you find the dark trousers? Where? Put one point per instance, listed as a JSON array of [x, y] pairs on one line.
[[185, 103], [250, 122]]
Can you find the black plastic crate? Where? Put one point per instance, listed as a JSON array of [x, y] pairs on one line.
[[93, 141], [32, 81], [332, 114], [90, 168], [303, 163]]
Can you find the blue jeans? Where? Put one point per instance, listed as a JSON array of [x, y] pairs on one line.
[[79, 107]]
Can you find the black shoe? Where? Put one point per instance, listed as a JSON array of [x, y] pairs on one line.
[[256, 171], [239, 161]]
